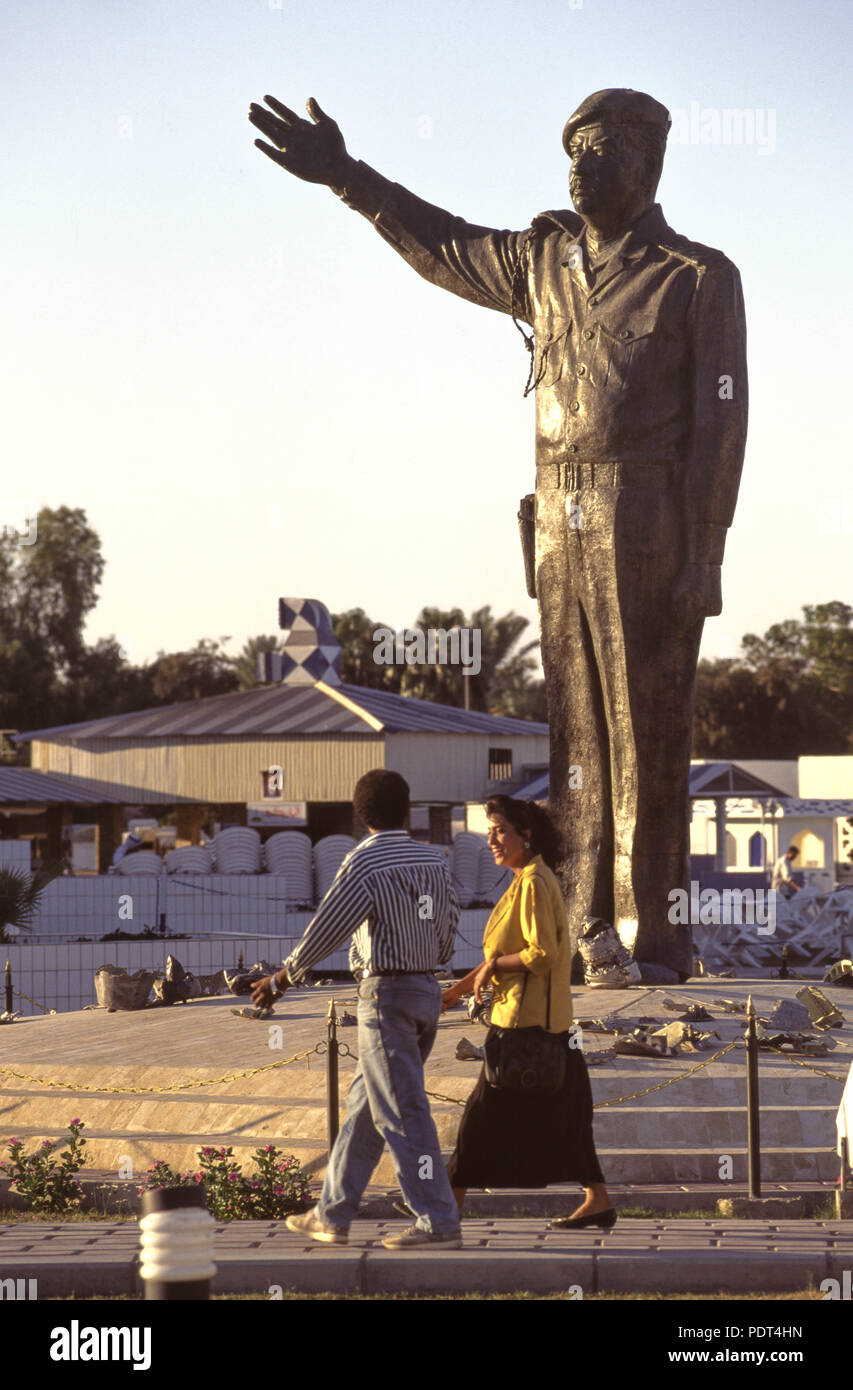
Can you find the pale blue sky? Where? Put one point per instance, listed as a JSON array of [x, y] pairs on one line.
[[251, 395]]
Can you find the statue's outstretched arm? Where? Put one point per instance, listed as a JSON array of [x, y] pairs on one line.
[[479, 263]]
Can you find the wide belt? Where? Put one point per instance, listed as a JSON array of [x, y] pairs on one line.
[[391, 974], [576, 475]]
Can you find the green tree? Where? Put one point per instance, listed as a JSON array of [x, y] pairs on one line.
[[789, 694], [354, 630], [48, 589], [245, 663], [203, 670], [503, 673]]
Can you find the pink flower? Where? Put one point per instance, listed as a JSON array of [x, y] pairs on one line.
[[75, 1123]]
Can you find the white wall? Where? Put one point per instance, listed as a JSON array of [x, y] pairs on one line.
[[829, 778], [15, 854], [59, 973]]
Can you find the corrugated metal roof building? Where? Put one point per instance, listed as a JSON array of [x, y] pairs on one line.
[[323, 738], [211, 760]]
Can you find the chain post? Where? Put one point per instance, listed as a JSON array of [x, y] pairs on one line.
[[332, 1074], [752, 1114]]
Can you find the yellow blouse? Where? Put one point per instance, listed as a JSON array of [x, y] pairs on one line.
[[531, 918]]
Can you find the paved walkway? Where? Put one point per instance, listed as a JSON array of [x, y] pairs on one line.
[[500, 1255]]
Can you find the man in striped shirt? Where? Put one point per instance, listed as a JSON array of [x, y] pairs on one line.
[[395, 898]]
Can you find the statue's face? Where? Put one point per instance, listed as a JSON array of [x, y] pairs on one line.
[[607, 173]]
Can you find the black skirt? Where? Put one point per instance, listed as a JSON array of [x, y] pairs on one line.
[[511, 1139]]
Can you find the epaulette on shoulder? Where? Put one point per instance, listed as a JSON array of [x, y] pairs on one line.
[[561, 218], [693, 253]]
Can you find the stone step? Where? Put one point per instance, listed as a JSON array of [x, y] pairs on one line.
[[628, 1126], [110, 1148]]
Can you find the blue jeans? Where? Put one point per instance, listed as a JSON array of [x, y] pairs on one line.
[[387, 1104]]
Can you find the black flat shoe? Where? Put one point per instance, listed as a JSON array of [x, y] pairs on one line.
[[577, 1223]]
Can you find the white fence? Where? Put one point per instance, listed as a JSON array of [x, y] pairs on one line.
[[191, 903], [59, 974]]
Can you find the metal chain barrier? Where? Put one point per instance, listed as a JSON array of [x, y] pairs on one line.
[[620, 1100], [161, 1090], [798, 1063], [43, 1007]]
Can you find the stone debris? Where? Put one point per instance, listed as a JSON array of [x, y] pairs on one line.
[[251, 1013], [683, 1035], [840, 974], [241, 980], [730, 1006], [822, 1011], [787, 1016], [641, 1043], [346, 1020], [774, 1040], [694, 1013], [467, 1052]]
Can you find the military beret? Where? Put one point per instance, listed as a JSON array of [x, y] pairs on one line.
[[617, 106]]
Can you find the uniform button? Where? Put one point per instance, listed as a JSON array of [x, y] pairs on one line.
[[588, 333], [594, 299], [581, 370], [575, 406], [626, 333], [573, 448]]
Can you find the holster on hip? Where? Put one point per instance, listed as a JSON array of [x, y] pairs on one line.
[[527, 531]]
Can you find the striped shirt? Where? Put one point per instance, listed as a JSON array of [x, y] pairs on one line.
[[395, 898]]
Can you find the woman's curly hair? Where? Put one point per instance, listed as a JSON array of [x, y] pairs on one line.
[[532, 820]]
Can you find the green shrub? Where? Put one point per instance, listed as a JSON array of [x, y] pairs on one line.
[[276, 1188], [45, 1184]]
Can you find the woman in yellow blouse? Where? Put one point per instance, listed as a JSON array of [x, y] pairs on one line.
[[510, 1138]]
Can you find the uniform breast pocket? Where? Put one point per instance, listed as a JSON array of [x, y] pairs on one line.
[[552, 347], [626, 352]]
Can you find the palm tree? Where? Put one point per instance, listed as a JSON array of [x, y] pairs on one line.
[[245, 664], [20, 895], [500, 671]]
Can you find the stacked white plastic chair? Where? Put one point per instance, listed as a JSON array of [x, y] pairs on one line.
[[190, 859], [142, 861], [288, 853], [329, 854], [237, 850], [492, 880], [465, 866]]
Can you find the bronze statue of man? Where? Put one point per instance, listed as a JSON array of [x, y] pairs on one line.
[[639, 366]]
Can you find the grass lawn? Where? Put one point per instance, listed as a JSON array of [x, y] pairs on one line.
[[520, 1296]]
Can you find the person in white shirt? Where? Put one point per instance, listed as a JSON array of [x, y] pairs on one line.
[[782, 880]]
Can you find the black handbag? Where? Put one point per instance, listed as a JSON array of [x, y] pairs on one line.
[[531, 1060]]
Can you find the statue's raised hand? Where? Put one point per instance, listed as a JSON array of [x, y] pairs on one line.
[[312, 150]]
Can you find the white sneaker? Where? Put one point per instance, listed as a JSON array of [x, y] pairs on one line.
[[416, 1236], [308, 1223]]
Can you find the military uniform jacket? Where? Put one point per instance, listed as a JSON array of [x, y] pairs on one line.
[[644, 364]]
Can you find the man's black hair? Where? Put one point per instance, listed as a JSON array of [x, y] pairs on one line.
[[792, 849], [381, 799]]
